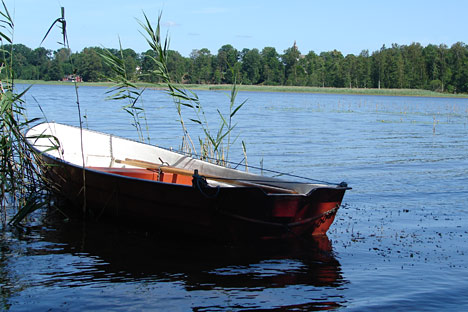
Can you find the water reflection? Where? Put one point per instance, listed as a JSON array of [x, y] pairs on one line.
[[93, 254], [6, 282]]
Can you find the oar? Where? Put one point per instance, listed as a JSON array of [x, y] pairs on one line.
[[150, 165], [174, 170]]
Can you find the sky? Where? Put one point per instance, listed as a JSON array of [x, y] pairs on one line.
[[319, 26]]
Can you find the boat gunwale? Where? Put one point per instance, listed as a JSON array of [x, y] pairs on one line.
[[315, 186], [58, 161]]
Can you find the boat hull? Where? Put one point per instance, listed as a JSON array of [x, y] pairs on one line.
[[226, 213]]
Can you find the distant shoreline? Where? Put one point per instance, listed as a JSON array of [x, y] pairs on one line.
[[263, 88]]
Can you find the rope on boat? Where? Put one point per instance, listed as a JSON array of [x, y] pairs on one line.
[[199, 182]]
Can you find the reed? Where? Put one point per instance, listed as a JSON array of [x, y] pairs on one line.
[[61, 22], [124, 89], [215, 144], [21, 182], [24, 187]]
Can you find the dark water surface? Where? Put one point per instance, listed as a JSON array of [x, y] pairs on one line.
[[399, 243]]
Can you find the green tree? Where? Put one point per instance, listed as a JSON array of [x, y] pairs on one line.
[[394, 76], [415, 71], [177, 65], [349, 70], [227, 58], [201, 69], [312, 64], [432, 67], [250, 66], [363, 74], [89, 64], [431, 55], [272, 70], [62, 57], [445, 72], [332, 66], [148, 66], [41, 58], [56, 71], [458, 60], [378, 67], [22, 61], [290, 60]]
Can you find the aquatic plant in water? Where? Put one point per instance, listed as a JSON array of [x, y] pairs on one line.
[[21, 182], [215, 145], [124, 89], [62, 23]]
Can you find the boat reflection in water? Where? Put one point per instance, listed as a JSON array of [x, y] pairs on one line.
[[126, 255]]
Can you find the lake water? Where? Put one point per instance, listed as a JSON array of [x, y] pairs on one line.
[[399, 243]]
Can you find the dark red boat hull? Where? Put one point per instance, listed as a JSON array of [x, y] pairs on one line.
[[232, 213]]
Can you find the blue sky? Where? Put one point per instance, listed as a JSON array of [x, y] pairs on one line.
[[348, 26]]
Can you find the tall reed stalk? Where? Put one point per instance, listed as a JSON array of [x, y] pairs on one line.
[[124, 89], [21, 182], [61, 22], [215, 144]]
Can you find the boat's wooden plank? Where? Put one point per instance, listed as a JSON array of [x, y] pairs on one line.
[[175, 170]]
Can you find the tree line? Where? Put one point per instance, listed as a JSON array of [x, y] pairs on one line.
[[433, 67]]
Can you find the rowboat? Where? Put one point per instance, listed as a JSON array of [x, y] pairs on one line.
[[110, 176]]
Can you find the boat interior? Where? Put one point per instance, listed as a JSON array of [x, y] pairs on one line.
[[116, 155]]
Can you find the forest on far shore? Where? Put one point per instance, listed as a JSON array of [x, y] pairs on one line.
[[433, 67]]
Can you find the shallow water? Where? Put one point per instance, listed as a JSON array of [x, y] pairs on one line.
[[399, 243]]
